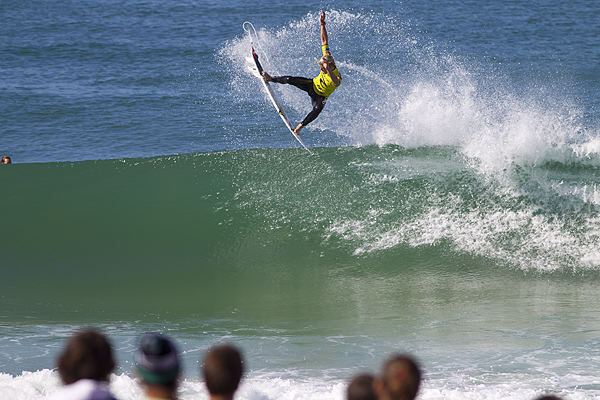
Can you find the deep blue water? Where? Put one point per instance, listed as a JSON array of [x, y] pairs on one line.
[[89, 80]]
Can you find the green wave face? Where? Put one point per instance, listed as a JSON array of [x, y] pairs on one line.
[[277, 230]]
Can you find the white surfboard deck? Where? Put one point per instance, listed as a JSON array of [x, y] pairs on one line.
[[258, 73]]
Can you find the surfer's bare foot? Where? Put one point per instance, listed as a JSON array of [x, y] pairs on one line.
[[267, 77], [297, 130]]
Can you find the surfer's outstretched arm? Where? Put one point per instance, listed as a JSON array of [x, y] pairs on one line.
[[323, 62], [324, 38]]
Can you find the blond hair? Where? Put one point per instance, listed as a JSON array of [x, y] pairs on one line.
[[329, 59]]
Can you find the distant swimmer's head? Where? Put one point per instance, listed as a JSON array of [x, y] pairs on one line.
[[5, 160], [327, 58]]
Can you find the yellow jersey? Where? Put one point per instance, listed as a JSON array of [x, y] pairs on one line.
[[323, 84]]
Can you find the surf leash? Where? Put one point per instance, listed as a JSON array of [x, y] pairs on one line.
[[249, 28]]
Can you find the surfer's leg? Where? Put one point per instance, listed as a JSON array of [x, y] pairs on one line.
[[318, 103], [298, 81]]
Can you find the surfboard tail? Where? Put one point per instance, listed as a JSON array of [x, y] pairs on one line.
[[260, 68], [275, 102]]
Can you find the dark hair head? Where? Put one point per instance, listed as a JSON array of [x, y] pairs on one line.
[[223, 370], [361, 388], [88, 355], [548, 397], [402, 377]]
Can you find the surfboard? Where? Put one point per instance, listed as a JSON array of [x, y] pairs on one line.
[[275, 100]]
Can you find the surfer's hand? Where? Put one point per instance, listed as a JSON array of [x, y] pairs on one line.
[[322, 17], [297, 130]]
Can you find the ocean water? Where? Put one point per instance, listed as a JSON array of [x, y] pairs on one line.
[[451, 208]]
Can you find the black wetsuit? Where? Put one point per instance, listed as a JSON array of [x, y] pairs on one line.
[[318, 101]]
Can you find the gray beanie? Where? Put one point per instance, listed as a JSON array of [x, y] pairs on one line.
[[157, 359]]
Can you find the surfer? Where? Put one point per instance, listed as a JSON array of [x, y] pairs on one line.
[[320, 88]]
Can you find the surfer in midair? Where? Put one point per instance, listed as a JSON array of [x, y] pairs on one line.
[[320, 88]]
